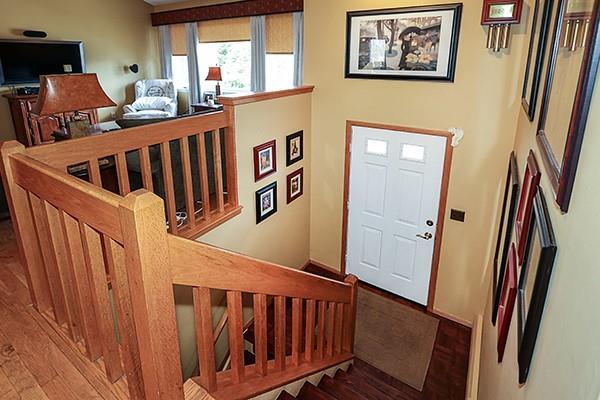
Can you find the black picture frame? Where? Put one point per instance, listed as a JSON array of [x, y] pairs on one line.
[[531, 84], [261, 213], [456, 8], [290, 158], [530, 314], [562, 174], [510, 205]]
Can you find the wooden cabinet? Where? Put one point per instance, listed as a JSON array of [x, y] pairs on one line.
[[31, 129]]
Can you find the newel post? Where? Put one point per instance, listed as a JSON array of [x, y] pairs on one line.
[[24, 228], [350, 317], [151, 290]]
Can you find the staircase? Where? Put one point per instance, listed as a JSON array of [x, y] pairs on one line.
[[360, 382]]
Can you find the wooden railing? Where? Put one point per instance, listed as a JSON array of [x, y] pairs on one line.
[[189, 162], [101, 267]]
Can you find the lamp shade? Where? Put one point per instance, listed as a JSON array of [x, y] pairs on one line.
[[214, 74], [69, 93]]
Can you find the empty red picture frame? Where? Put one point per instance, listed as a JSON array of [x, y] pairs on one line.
[[507, 301], [531, 181]]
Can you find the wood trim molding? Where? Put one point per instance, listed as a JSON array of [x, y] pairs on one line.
[[246, 8], [443, 196], [254, 97]]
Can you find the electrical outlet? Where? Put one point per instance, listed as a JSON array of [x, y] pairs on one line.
[[113, 115], [457, 215]]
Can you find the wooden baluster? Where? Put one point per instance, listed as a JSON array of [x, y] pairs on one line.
[[94, 257], [330, 327], [280, 333], [115, 259], [83, 291], [339, 323], [44, 239], [309, 336], [167, 168], [188, 183], [205, 338], [230, 157], [64, 271], [94, 171], [260, 333], [296, 330], [220, 326], [148, 269], [203, 169], [123, 175], [24, 228], [236, 335], [350, 315], [321, 329], [146, 167], [216, 141]]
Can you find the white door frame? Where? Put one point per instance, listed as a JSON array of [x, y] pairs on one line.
[[443, 195]]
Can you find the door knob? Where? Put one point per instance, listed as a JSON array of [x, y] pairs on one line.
[[426, 236]]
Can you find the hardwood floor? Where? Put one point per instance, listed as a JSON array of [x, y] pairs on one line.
[[447, 374], [35, 360]]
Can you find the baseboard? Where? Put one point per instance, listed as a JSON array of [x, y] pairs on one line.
[[475, 359], [324, 266], [450, 317]]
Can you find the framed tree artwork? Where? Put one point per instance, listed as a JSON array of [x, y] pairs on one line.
[[531, 181], [507, 301], [570, 80], [403, 43], [265, 160], [266, 202], [538, 38], [294, 149], [505, 230], [534, 281], [295, 185]]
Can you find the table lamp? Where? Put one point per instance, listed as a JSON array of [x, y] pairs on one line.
[[214, 74], [66, 93]]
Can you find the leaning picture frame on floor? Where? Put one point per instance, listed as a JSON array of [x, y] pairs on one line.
[[505, 230], [403, 43], [534, 281]]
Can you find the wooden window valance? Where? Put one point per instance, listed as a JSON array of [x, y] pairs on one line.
[[229, 10]]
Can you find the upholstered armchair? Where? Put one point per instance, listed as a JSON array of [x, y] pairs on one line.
[[154, 98]]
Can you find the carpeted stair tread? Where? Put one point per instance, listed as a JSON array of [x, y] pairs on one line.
[[311, 392], [339, 390]]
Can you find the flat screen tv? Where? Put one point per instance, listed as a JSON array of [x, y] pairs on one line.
[[23, 61]]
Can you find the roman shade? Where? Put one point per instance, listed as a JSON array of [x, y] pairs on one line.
[[224, 30], [178, 40], [279, 34]]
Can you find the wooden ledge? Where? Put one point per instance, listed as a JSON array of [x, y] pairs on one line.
[[254, 97]]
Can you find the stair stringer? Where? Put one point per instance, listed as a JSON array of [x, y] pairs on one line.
[[293, 388]]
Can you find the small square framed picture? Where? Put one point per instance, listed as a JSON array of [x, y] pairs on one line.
[[295, 185], [265, 160], [294, 148], [266, 202]]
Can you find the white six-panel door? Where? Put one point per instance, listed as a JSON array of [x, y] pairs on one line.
[[394, 196]]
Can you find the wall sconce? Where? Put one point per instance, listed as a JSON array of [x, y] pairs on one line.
[[134, 68], [499, 15]]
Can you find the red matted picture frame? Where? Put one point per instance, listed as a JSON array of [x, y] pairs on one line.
[[531, 181], [507, 301], [295, 185], [494, 12], [265, 160]]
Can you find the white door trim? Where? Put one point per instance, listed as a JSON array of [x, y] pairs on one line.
[[443, 194]]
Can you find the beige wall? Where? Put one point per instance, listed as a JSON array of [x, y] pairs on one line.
[[483, 101], [115, 34], [566, 361]]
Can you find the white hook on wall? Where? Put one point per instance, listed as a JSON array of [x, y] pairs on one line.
[[457, 136]]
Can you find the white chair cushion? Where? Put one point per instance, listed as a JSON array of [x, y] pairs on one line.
[[147, 114], [151, 103]]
